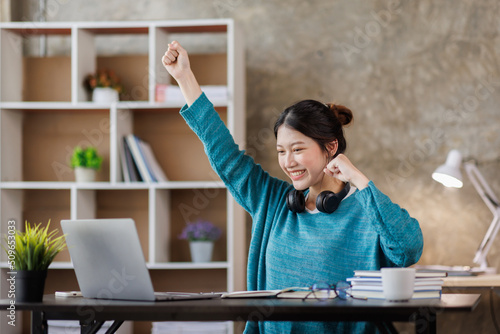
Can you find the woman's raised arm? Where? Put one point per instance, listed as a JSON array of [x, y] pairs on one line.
[[176, 61]]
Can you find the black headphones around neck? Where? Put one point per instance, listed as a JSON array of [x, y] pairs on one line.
[[327, 201]]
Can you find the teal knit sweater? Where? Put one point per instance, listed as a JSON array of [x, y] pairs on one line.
[[367, 231]]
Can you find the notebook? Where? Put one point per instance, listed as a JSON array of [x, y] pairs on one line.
[[109, 263]]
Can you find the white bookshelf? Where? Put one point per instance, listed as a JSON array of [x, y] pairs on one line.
[[40, 121]]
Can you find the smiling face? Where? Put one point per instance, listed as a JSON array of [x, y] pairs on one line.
[[301, 158]]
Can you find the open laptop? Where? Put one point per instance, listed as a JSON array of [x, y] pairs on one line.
[[109, 263]]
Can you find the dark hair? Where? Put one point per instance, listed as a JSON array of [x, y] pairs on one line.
[[321, 122]]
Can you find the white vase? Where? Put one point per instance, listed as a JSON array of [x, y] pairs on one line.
[[201, 251], [83, 174], [104, 95]]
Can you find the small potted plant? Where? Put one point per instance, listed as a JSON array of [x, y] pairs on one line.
[[104, 86], [85, 162], [30, 252], [201, 236]]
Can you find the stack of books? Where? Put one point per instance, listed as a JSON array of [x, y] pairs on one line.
[[368, 284], [139, 162]]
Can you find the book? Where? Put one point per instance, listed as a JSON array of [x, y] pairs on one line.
[[123, 162], [140, 161], [129, 164], [287, 293], [151, 162], [379, 288], [418, 273], [371, 294], [372, 281]]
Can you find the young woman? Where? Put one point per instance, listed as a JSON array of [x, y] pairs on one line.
[[330, 221]]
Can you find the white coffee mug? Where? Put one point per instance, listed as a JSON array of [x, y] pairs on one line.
[[398, 283]]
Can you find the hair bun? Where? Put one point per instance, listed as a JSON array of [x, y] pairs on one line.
[[343, 113]]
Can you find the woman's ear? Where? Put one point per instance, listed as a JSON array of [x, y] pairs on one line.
[[332, 148]]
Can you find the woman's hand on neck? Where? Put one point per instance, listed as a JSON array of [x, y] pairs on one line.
[[342, 169]]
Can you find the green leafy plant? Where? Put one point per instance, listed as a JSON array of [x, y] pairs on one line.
[[35, 248], [86, 157]]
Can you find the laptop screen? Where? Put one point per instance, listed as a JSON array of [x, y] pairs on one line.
[[108, 259]]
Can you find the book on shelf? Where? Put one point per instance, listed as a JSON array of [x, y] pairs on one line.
[[172, 93], [129, 168], [151, 162], [215, 92], [143, 157], [133, 144], [123, 162], [287, 293]]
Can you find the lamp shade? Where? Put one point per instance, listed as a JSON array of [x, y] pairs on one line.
[[449, 174]]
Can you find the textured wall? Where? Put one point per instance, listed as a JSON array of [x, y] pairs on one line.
[[422, 77]]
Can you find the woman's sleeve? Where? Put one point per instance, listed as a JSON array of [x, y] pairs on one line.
[[247, 181], [400, 235]]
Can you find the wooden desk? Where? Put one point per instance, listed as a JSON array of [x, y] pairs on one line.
[[92, 312], [486, 316], [480, 281]]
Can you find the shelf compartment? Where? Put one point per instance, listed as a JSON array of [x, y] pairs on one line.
[[123, 50], [124, 204], [47, 78], [210, 69], [173, 142], [203, 280], [28, 76], [63, 279], [190, 205], [36, 206], [208, 61], [132, 70], [26, 135]]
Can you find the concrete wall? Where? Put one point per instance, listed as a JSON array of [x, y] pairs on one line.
[[422, 77]]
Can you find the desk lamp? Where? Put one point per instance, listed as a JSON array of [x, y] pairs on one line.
[[449, 175]]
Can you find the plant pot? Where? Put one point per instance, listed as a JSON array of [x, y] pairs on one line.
[[201, 251], [105, 95], [30, 285], [83, 174]]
